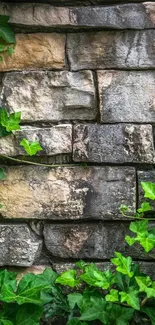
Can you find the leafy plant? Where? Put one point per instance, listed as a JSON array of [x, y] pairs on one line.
[[121, 297], [7, 37], [31, 147]]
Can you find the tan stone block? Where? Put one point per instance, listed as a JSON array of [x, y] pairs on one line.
[[67, 193], [36, 51]]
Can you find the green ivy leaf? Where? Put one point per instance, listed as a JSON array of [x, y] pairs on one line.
[[149, 190], [6, 32], [2, 174], [150, 312], [74, 299], [119, 315], [145, 207], [30, 287], [124, 208], [112, 296], [123, 264], [6, 322], [131, 297], [94, 277], [68, 278], [29, 314], [96, 311], [76, 321], [31, 147], [10, 122], [81, 264], [145, 237], [139, 227], [143, 283]]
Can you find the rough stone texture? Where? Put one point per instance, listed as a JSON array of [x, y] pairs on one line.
[[134, 16], [111, 49], [54, 140], [145, 176], [67, 193], [50, 96], [120, 143], [83, 2], [146, 267], [127, 96], [18, 245], [36, 51], [93, 241]]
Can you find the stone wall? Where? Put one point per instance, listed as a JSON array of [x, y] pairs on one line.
[[83, 77]]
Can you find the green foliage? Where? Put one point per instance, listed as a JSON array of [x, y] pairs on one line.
[[149, 190], [9, 122], [31, 147], [123, 264], [68, 278], [7, 37], [21, 302]]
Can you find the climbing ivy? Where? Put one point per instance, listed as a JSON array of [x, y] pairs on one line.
[[7, 37]]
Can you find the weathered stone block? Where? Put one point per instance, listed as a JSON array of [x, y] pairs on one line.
[[121, 143], [127, 96], [135, 16], [54, 140], [50, 96], [67, 193], [18, 245], [111, 49], [36, 51], [93, 241], [146, 267], [145, 176]]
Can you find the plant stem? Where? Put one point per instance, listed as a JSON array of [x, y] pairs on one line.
[[38, 164], [144, 301]]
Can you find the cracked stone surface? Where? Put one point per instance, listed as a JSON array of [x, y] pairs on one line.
[[111, 49], [98, 241], [120, 16], [54, 140], [119, 143], [50, 96], [36, 51], [67, 193], [127, 96], [19, 246]]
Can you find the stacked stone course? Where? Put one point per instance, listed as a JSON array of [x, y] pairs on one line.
[[83, 77]]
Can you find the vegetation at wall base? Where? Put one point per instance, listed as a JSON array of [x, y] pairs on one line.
[[86, 295]]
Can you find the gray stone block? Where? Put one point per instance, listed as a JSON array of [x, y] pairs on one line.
[[92, 241], [18, 245], [127, 96], [67, 193], [120, 16], [50, 96], [119, 143], [111, 49], [54, 140]]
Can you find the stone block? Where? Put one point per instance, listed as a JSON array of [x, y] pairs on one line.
[[50, 96], [36, 51], [54, 140], [127, 96], [146, 267], [112, 49], [18, 245], [117, 143], [67, 193], [41, 16], [91, 241]]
